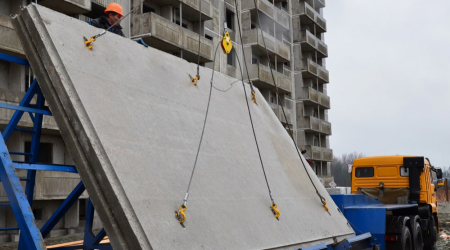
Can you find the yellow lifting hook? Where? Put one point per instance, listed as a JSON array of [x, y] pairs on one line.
[[324, 202], [275, 211], [254, 97], [181, 216], [195, 79], [89, 43]]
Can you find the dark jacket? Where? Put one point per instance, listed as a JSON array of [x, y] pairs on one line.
[[102, 23]]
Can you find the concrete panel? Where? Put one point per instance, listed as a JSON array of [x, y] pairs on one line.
[[132, 121]]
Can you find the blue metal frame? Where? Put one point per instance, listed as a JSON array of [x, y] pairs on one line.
[[366, 214], [14, 59], [31, 238], [363, 241]]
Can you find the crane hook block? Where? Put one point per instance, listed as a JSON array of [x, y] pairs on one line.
[[195, 80], [226, 43], [275, 211], [180, 215], [89, 43]]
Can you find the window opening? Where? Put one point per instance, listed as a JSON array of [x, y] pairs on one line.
[[364, 172], [45, 152], [230, 59], [230, 19], [82, 209]]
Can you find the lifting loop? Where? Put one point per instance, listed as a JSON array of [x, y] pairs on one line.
[[275, 211], [180, 215]]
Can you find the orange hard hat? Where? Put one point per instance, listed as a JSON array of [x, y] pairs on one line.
[[114, 7]]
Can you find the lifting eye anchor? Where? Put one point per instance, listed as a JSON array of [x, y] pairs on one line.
[[275, 211], [89, 43], [180, 215]]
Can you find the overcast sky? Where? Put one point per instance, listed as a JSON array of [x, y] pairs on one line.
[[389, 77]]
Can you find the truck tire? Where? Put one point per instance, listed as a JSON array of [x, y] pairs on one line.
[[433, 237], [418, 237], [406, 241]]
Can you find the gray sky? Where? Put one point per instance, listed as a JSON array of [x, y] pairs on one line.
[[389, 77]]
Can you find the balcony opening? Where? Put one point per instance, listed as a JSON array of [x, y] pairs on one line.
[[314, 113], [182, 25], [45, 152], [254, 60], [230, 19], [208, 37], [147, 9], [230, 59], [316, 141], [284, 5]]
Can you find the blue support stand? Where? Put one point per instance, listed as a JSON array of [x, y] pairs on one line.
[[31, 238]]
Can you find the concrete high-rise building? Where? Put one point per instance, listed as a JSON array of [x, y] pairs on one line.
[[294, 38]]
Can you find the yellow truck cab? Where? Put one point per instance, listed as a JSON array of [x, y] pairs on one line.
[[402, 180]]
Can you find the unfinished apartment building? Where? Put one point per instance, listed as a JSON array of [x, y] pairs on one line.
[[294, 41], [293, 37]]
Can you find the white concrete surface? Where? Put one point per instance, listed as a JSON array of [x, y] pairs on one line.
[[132, 121]]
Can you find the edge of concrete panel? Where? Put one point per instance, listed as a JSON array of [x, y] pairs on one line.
[[81, 143]]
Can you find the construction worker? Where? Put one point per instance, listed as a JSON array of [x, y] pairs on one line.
[[113, 13]]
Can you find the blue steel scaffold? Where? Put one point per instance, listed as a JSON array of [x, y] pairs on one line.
[[21, 201]]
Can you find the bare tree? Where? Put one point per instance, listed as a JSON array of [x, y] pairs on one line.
[[339, 168]]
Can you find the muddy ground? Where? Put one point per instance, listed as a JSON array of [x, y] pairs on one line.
[[444, 226]]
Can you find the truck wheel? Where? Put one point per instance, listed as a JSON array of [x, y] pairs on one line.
[[433, 237], [418, 237], [406, 239]]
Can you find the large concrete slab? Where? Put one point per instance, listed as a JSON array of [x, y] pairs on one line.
[[132, 121]]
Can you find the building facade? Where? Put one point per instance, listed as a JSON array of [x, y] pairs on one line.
[[296, 52]]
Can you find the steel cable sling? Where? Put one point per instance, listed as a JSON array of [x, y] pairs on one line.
[[322, 199], [180, 215], [274, 206]]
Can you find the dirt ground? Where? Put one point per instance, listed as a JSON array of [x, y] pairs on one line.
[[50, 241], [444, 226]]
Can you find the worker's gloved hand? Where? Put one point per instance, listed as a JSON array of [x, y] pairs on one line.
[[140, 41]]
